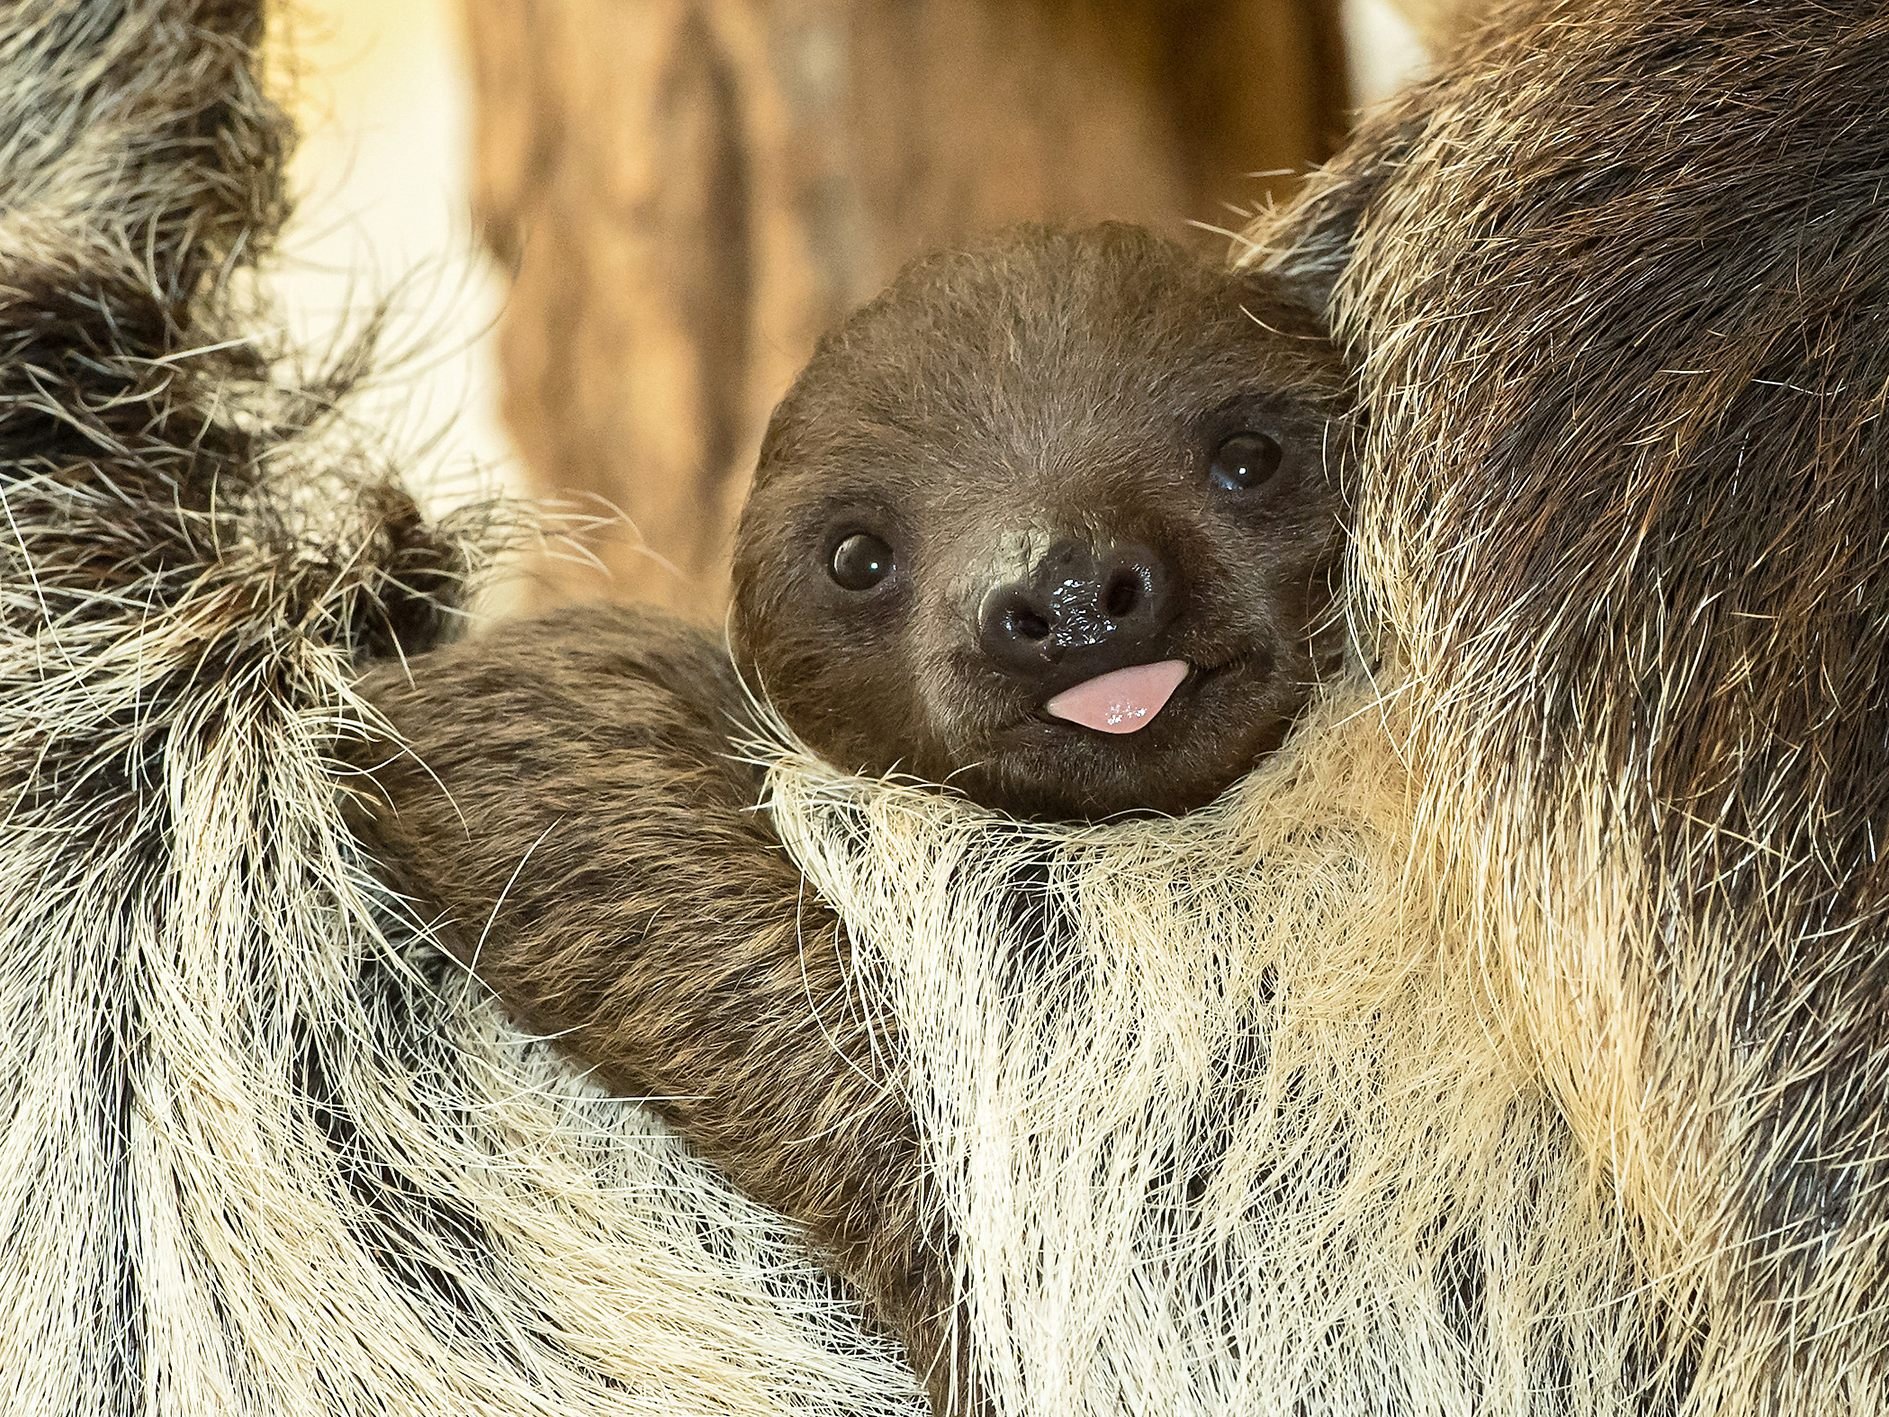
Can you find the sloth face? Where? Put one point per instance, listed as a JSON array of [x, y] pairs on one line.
[[1055, 520]]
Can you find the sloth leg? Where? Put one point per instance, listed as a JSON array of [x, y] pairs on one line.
[[567, 804]]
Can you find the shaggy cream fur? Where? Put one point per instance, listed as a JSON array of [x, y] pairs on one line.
[[1228, 1120], [259, 1153], [259, 1157]]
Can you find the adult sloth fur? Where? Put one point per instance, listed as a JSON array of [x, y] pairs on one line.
[[1618, 283], [1615, 282], [1595, 1129]]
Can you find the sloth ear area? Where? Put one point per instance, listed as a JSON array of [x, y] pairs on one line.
[[1283, 305]]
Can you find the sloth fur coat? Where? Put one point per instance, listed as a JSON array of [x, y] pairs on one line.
[[1514, 1042]]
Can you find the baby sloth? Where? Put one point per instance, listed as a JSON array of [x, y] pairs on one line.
[[1055, 519]]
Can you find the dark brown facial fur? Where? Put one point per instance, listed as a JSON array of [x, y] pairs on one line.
[[1030, 463]]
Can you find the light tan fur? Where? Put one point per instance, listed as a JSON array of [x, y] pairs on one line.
[[1245, 1127]]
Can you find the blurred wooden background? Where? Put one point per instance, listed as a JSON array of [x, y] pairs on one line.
[[686, 192]]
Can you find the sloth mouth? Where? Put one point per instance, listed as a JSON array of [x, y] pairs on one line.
[[1128, 701], [1214, 720], [1123, 700]]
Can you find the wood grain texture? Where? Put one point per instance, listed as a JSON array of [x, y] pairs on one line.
[[688, 191]]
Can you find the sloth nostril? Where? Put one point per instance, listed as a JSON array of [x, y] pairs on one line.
[[1027, 624], [1124, 594]]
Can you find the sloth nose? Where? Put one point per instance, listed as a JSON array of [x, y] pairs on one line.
[[1081, 610]]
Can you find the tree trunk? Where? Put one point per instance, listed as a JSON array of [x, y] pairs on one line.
[[689, 191]]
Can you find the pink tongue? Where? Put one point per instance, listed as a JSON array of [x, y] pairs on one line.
[[1125, 701]]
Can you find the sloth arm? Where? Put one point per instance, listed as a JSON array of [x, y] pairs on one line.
[[569, 808]]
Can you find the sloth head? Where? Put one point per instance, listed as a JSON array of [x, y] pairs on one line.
[[1054, 520]]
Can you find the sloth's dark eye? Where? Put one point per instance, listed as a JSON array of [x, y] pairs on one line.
[[860, 562], [1245, 460]]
